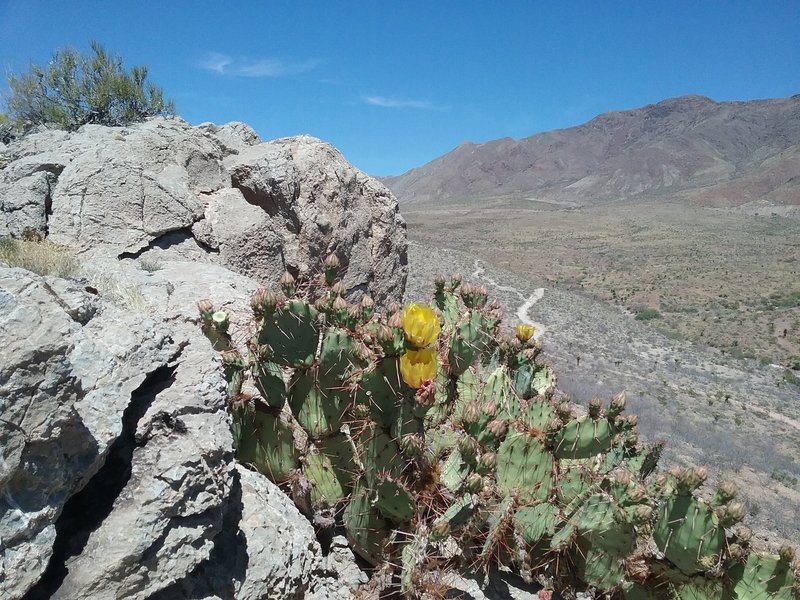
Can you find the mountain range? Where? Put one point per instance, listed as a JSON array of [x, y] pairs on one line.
[[691, 148]]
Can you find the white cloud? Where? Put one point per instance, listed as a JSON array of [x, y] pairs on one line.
[[214, 61], [398, 103], [224, 64]]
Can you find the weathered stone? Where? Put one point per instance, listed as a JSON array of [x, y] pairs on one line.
[[25, 207], [64, 386], [164, 521], [114, 187], [318, 203], [121, 191], [231, 137]]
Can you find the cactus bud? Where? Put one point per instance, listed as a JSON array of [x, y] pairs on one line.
[[637, 494], [473, 484], [701, 474], [383, 334], [322, 304], [468, 447], [564, 410], [206, 310], [263, 302], [255, 302], [622, 477], [786, 554], [338, 289], [691, 478], [396, 321], [736, 552], [455, 281], [489, 408], [488, 461], [732, 514], [367, 307], [743, 534], [725, 493], [497, 428], [220, 320], [331, 266], [595, 406], [438, 283], [340, 304], [426, 393], [287, 284], [617, 405], [471, 415], [482, 295], [631, 439], [643, 513], [354, 314], [412, 445]]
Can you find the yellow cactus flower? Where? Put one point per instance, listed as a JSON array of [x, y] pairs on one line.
[[524, 332], [420, 325], [418, 366]]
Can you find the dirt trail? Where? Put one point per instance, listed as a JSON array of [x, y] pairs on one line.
[[526, 303]]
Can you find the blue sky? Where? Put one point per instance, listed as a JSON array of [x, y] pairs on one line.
[[396, 84]]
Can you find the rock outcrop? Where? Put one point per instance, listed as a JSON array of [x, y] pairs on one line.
[[117, 472], [257, 208], [116, 461]]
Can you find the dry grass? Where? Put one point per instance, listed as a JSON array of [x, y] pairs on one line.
[[41, 257], [122, 293]]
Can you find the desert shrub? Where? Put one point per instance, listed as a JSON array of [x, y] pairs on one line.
[[784, 478], [74, 89], [39, 256], [150, 265], [647, 314], [790, 377]]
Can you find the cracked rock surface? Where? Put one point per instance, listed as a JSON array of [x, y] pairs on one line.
[[117, 466], [256, 208], [64, 386]]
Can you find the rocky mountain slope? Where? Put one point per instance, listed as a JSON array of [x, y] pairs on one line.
[[727, 154]]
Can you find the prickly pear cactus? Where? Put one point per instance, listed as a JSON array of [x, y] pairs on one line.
[[436, 442]]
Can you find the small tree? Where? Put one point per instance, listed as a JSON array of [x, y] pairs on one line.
[[75, 89]]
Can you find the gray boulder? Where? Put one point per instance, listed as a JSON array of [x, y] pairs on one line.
[[231, 137], [117, 475], [315, 203], [68, 371], [115, 188]]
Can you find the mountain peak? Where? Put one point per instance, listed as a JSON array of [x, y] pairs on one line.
[[687, 147]]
